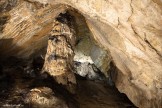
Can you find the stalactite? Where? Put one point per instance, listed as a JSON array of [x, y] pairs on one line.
[[59, 57]]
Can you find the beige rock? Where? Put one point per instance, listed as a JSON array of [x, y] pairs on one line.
[[129, 29], [44, 97], [59, 57], [27, 22]]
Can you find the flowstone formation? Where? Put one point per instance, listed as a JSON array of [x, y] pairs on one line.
[[128, 30]]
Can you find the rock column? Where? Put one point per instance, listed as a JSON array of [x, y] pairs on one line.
[[59, 56]]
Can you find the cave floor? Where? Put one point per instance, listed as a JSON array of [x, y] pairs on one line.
[[90, 94], [97, 94]]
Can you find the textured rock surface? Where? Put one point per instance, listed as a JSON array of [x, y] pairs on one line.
[[44, 98], [90, 71], [17, 91], [86, 49], [129, 29], [27, 26], [59, 57]]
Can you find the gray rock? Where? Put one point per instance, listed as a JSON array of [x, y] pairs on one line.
[[88, 70]]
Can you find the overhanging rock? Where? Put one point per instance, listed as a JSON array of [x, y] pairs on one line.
[[129, 29]]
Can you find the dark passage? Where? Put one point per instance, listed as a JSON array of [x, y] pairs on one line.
[[18, 78]]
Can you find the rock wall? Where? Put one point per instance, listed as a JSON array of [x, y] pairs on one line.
[[129, 29], [27, 27]]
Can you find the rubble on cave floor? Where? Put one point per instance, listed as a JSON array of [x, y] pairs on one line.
[[24, 91]]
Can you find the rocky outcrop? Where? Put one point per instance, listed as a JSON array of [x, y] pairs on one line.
[[21, 28], [59, 57], [44, 98], [86, 49], [129, 29], [89, 71], [17, 90]]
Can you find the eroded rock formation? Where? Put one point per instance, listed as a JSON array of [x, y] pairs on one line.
[[60, 52], [44, 98], [130, 30]]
